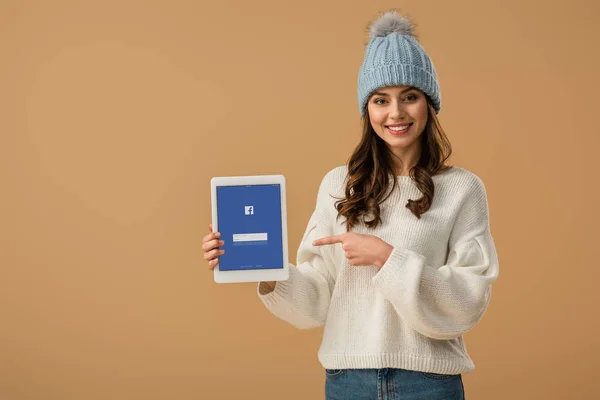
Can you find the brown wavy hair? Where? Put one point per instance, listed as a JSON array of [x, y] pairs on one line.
[[370, 169]]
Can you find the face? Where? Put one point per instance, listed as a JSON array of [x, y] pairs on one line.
[[398, 114]]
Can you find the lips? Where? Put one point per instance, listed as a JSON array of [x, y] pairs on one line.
[[398, 131], [398, 125]]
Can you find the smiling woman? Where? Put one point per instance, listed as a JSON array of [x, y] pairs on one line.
[[401, 137], [398, 282], [399, 99], [393, 111], [394, 290]]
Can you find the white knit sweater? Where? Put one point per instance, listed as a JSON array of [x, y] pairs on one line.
[[411, 313]]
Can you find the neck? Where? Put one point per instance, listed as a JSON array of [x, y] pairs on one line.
[[406, 158]]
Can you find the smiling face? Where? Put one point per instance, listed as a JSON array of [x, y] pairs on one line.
[[398, 115]]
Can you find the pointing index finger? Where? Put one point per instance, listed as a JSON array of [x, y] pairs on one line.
[[327, 240]]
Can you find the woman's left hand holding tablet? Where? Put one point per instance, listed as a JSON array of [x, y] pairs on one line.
[[210, 245]]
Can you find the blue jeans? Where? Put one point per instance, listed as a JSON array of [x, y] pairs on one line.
[[391, 384]]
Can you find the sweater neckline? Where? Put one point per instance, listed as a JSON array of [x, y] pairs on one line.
[[405, 182], [404, 177]]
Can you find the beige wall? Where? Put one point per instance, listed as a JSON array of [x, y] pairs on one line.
[[114, 115]]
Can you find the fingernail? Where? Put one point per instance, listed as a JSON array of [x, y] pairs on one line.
[[221, 242], [217, 234]]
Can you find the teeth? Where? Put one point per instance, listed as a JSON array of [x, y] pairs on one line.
[[398, 128]]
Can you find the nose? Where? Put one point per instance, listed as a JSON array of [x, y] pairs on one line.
[[397, 111]]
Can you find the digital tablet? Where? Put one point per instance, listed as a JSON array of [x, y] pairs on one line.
[[250, 214]]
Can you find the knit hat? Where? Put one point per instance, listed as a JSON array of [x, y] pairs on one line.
[[395, 57]]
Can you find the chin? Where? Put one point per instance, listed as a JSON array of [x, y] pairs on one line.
[[401, 142]]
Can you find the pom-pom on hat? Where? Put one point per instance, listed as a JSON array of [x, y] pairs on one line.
[[394, 57]]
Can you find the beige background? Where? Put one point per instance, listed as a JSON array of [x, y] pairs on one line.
[[116, 114]]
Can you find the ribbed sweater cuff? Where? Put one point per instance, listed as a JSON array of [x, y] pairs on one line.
[[278, 296], [390, 273]]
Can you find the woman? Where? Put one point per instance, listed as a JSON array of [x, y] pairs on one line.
[[397, 260]]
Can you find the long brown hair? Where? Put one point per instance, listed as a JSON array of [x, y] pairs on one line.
[[370, 168]]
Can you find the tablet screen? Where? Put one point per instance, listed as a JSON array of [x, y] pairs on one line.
[[250, 225]]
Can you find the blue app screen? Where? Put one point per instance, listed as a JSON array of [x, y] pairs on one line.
[[250, 225]]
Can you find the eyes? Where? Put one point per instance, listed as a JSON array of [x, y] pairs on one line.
[[409, 98]]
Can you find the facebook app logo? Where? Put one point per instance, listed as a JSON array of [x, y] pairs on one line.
[[249, 210]]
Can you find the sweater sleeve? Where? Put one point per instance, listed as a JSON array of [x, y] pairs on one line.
[[303, 300], [443, 302]]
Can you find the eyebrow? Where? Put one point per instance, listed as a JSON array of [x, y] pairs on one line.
[[385, 94]]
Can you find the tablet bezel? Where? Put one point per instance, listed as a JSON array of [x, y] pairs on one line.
[[260, 275]]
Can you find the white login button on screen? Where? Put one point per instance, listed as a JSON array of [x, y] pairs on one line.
[[250, 239]]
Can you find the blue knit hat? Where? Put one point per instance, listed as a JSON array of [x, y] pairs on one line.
[[395, 57]]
